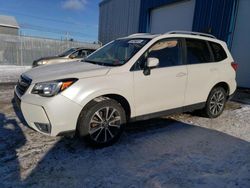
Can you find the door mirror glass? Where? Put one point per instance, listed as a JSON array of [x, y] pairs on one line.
[[152, 62]]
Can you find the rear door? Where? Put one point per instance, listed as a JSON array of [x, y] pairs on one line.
[[202, 70], [165, 87]]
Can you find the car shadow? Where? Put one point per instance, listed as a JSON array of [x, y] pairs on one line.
[[9, 164], [18, 112], [155, 153]]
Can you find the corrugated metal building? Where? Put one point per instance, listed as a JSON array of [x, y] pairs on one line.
[[8, 25], [226, 19], [118, 18]]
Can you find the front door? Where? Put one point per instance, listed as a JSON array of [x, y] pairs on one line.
[[164, 88]]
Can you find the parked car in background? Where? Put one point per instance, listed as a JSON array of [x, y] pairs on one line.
[[133, 78], [73, 54]]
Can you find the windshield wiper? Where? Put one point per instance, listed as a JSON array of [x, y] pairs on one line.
[[102, 63], [93, 62]]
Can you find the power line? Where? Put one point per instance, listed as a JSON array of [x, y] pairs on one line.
[[49, 19], [63, 34], [83, 39], [53, 30]]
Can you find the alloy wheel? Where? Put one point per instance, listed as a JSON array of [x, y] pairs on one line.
[[217, 103], [105, 124]]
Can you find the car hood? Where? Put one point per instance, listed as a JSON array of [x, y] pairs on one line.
[[66, 70], [47, 58]]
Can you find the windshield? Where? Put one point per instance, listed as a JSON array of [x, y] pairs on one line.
[[117, 52], [68, 52]]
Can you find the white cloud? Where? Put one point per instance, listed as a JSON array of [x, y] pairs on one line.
[[74, 4]]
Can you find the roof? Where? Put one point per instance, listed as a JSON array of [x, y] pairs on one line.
[[143, 35], [8, 21], [175, 34], [82, 48]]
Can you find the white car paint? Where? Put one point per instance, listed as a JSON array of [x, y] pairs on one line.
[[164, 89]]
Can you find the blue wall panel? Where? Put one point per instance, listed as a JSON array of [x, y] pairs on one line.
[[118, 18], [215, 17]]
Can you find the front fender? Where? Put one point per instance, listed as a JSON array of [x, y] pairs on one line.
[[99, 93], [85, 90]]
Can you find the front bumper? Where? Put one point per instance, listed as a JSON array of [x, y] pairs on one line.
[[51, 116]]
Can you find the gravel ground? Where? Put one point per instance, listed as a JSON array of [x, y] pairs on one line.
[[178, 151]]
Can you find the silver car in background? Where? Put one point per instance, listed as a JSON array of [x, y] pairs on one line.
[[73, 54]]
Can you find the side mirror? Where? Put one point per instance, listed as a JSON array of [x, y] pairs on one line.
[[151, 63], [72, 56]]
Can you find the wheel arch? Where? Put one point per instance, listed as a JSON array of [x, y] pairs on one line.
[[222, 84], [207, 112], [117, 97], [123, 101]]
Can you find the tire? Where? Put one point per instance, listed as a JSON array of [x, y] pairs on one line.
[[215, 103], [102, 122]]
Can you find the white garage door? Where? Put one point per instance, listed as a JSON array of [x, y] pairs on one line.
[[241, 44], [177, 16]]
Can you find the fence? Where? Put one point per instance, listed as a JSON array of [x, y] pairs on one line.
[[22, 50]]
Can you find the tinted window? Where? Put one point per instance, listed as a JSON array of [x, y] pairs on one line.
[[117, 52], [90, 52], [167, 51], [218, 51], [68, 52], [79, 54], [198, 52]]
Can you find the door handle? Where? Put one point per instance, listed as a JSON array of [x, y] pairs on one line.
[[181, 74]]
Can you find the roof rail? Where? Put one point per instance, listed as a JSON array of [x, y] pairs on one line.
[[191, 33], [137, 34]]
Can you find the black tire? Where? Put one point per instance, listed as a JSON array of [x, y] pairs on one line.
[[101, 122], [215, 103]]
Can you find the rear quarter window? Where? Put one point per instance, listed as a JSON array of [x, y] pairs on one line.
[[218, 51]]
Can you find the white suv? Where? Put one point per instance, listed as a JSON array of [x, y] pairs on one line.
[[133, 78]]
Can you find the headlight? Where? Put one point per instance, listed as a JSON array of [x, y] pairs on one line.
[[42, 62], [39, 63], [49, 89]]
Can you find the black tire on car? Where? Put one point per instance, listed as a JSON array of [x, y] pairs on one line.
[[215, 103], [102, 122]]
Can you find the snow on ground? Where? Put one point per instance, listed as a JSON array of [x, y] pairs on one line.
[[178, 151], [234, 121], [11, 73]]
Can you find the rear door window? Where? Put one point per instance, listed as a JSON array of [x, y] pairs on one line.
[[198, 51], [79, 54]]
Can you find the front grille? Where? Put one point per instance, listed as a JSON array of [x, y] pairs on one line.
[[23, 84]]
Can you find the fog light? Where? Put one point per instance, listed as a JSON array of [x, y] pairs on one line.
[[44, 127]]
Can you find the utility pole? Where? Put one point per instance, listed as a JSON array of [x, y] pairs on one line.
[[67, 36]]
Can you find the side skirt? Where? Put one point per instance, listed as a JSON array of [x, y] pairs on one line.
[[188, 108]]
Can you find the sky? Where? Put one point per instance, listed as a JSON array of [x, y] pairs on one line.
[[58, 19]]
